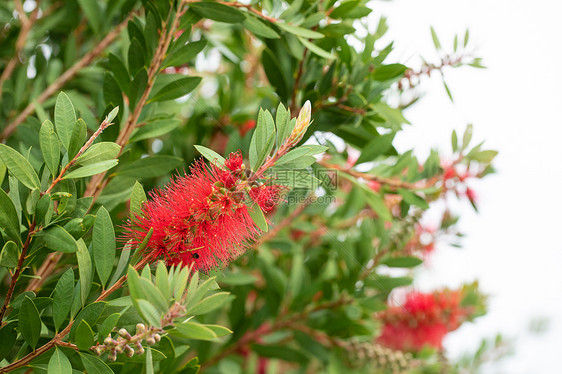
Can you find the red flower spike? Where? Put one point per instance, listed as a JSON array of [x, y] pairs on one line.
[[423, 319], [234, 161], [198, 220], [267, 197]]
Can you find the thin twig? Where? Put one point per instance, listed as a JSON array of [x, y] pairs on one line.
[[17, 272], [58, 339], [97, 182]]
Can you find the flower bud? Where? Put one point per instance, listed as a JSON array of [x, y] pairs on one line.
[[129, 351], [140, 328], [109, 341], [139, 348], [157, 337], [303, 121], [124, 333], [112, 356], [150, 341]]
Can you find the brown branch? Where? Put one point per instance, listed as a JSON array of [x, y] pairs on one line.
[[58, 339], [44, 271], [86, 60], [391, 182], [97, 182], [17, 273]]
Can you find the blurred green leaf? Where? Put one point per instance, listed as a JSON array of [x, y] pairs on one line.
[[9, 218], [19, 167], [150, 167], [50, 147]]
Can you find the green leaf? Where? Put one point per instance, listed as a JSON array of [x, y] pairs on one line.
[[466, 35], [282, 120], [107, 325], [218, 12], [149, 364], [138, 198], [454, 141], [375, 148], [93, 13], [155, 129], [448, 91], [386, 283], [212, 156], [392, 115], [467, 137], [436, 42], [299, 31], [238, 279], [259, 28], [8, 335], [9, 217], [176, 89], [210, 303], [402, 262], [148, 312], [65, 119], [299, 152], [184, 54], [103, 245], [387, 72], [91, 169], [78, 138], [91, 314], [197, 331], [263, 139], [62, 298], [19, 167], [10, 255], [58, 239], [150, 167], [161, 280], [59, 363], [152, 294], [84, 270], [281, 352], [84, 336], [257, 216], [29, 322], [219, 330], [137, 87], [102, 151], [316, 49], [50, 147], [94, 365], [111, 115], [411, 198], [122, 264], [136, 57]]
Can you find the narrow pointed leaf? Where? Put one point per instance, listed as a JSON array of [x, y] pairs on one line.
[[103, 245]]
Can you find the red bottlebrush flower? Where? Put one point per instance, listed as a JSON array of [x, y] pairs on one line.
[[234, 161], [197, 219], [246, 126], [471, 195], [266, 196], [449, 173], [423, 319], [374, 185]]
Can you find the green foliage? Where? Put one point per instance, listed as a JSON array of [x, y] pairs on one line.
[[144, 83]]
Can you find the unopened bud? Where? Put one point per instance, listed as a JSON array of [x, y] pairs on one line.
[[129, 351], [140, 328], [109, 341], [112, 356], [139, 348], [124, 333], [119, 349], [303, 121], [150, 341], [157, 337]]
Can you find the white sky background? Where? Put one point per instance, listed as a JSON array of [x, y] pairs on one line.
[[513, 246]]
